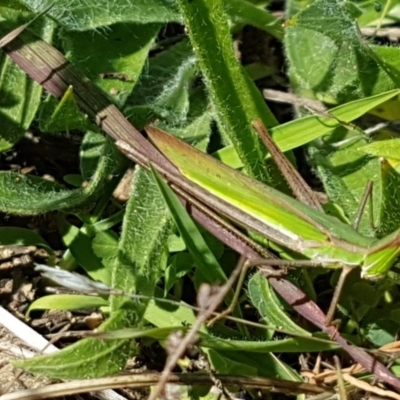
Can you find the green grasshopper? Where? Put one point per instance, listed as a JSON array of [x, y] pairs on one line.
[[320, 238]]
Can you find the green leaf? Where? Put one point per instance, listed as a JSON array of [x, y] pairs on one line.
[[180, 264], [137, 333], [92, 149], [345, 173], [176, 244], [63, 115], [344, 67], [245, 13], [88, 358], [364, 293], [268, 365], [207, 265], [162, 71], [91, 15], [20, 96], [264, 299], [388, 219], [121, 60], [166, 93], [382, 332], [105, 244], [24, 237], [383, 148], [228, 365], [232, 93], [138, 266], [66, 302], [143, 244], [165, 96], [79, 243], [301, 131], [162, 315], [293, 345], [30, 195]]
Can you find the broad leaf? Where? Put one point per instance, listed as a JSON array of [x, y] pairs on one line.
[[94, 14]]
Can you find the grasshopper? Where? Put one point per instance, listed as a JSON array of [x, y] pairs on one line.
[[322, 239]]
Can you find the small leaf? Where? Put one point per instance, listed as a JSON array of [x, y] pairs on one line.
[[246, 13], [137, 333], [382, 332], [268, 365], [105, 244], [24, 237], [63, 115], [79, 243], [263, 298], [292, 345], [163, 315], [92, 149], [383, 148], [66, 302], [345, 174], [206, 263], [142, 256], [176, 244], [364, 293]]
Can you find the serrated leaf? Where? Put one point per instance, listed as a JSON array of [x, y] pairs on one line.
[[263, 298], [91, 15], [66, 302]]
